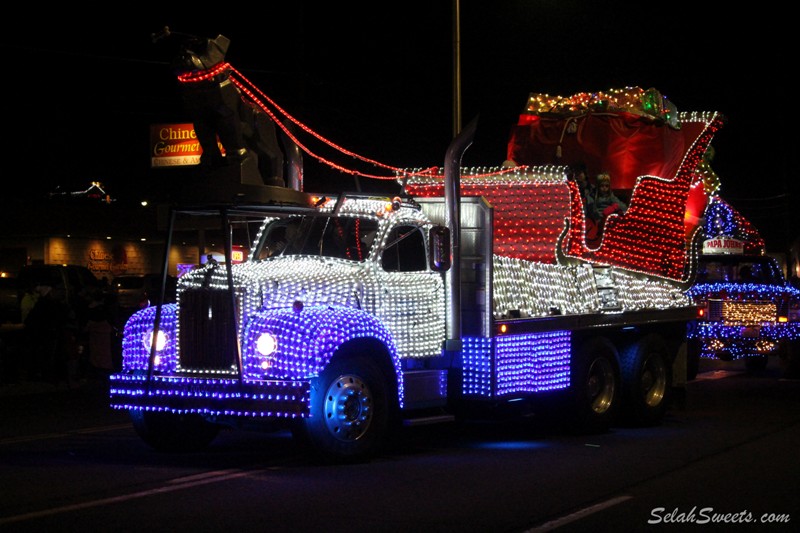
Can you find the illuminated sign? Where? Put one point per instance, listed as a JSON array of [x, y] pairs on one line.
[[175, 145], [723, 245], [238, 255]]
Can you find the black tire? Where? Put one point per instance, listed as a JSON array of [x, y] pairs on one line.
[[168, 432], [596, 388], [349, 411], [646, 381], [755, 363]]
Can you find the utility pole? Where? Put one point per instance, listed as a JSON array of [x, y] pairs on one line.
[[456, 68]]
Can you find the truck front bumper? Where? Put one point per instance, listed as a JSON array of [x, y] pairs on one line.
[[228, 397], [734, 341]]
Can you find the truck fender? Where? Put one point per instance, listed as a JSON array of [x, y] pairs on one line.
[[290, 344], [138, 332]]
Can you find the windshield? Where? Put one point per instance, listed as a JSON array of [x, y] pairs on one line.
[[759, 272], [341, 236]]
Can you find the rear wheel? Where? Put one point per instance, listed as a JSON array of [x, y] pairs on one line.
[[646, 380], [596, 387], [170, 432], [349, 410]]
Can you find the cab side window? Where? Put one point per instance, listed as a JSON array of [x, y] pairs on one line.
[[405, 250]]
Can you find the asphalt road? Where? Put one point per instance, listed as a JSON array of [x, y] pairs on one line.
[[724, 461]]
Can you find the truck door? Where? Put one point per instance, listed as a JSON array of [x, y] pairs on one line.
[[413, 297]]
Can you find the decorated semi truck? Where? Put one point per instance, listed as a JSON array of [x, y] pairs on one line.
[[347, 316]]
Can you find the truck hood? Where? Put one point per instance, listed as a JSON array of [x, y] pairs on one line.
[[742, 292], [281, 281]]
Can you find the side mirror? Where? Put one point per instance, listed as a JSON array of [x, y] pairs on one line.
[[439, 248]]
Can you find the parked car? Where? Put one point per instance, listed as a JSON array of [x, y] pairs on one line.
[[129, 291], [75, 281], [9, 300], [134, 292]]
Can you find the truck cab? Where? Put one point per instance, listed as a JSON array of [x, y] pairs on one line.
[[747, 309], [346, 282]]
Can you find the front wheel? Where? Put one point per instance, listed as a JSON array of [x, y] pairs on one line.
[[349, 410], [169, 432]]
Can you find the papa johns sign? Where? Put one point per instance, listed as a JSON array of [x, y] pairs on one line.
[[723, 245]]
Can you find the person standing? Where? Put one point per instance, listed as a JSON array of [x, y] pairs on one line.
[[45, 327], [29, 298], [100, 331]]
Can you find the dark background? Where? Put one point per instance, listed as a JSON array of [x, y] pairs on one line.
[[83, 84]]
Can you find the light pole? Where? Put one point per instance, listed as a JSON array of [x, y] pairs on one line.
[[456, 68]]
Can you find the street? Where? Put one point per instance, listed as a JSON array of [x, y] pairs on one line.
[[724, 461]]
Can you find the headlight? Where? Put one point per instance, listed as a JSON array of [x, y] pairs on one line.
[[267, 344], [161, 341]]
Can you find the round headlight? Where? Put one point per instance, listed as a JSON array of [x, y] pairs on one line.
[[161, 341], [266, 344]]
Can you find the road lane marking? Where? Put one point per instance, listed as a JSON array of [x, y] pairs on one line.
[[173, 485], [577, 515], [201, 475]]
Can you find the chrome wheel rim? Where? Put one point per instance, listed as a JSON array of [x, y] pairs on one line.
[[653, 381], [601, 385], [348, 408]]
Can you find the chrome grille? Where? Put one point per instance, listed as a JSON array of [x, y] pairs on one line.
[[742, 312], [207, 330]]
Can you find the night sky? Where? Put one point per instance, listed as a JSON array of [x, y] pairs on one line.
[[377, 79]]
